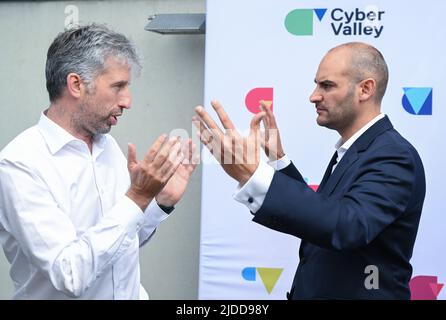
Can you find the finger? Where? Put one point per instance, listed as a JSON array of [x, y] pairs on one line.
[[255, 122], [265, 121], [163, 155], [263, 107], [262, 139], [211, 142], [131, 156], [206, 140], [169, 167], [222, 115], [214, 146], [265, 127], [174, 151], [193, 151], [188, 149], [195, 162], [192, 147], [199, 124], [203, 133], [191, 164], [271, 119], [155, 148], [266, 104], [194, 156], [208, 121]]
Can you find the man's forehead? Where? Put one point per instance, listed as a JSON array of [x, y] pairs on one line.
[[116, 63], [333, 65], [116, 68]]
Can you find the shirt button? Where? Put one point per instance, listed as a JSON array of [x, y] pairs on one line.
[[250, 200]]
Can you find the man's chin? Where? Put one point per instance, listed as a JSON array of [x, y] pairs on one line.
[[104, 130], [320, 121], [324, 123]]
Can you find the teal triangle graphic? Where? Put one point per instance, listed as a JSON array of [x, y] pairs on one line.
[[320, 13], [417, 97]]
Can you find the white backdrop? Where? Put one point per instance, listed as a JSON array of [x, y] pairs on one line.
[[260, 44]]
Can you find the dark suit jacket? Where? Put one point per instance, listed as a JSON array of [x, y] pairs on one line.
[[365, 213]]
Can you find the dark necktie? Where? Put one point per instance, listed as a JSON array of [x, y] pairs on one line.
[[329, 170]]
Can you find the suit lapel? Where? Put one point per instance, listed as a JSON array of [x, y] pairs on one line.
[[329, 182], [347, 160], [327, 173], [352, 154]]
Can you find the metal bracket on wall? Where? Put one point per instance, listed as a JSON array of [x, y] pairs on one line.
[[177, 23]]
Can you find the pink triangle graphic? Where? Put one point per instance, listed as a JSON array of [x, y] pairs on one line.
[[436, 288]]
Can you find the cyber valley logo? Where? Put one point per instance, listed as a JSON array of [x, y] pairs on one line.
[[357, 22], [417, 101], [269, 276]]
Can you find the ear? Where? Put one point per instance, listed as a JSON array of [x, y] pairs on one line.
[[367, 89], [75, 86]]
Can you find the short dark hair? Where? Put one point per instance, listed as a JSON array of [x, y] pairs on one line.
[[367, 61]]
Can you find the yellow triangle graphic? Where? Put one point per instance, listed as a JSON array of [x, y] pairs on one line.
[[269, 277], [268, 103]]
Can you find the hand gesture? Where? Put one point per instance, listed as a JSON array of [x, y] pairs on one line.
[[175, 187], [151, 174], [270, 138], [239, 156]]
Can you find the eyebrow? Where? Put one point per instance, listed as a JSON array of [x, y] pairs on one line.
[[120, 83], [325, 82]]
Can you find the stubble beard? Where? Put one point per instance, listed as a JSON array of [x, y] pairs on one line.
[[343, 116], [90, 124]]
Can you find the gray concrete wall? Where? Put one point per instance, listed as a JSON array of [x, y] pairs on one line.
[[170, 85]]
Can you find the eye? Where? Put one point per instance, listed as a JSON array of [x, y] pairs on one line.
[[120, 85], [326, 85]]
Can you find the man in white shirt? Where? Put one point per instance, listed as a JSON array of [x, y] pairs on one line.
[[364, 216], [73, 210]]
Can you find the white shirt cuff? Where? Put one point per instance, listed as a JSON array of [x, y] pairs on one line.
[[281, 163], [128, 214], [253, 192], [154, 215]]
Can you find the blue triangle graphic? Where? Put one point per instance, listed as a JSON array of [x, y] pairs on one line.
[[417, 97], [426, 109], [320, 13]]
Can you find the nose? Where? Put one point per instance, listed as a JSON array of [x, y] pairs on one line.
[[315, 97], [125, 100]]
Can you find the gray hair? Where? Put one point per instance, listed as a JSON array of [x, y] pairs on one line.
[[367, 61], [84, 50]]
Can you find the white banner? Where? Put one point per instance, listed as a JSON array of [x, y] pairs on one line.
[[270, 50]]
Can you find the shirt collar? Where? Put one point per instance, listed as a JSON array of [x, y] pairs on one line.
[[57, 137], [341, 149]]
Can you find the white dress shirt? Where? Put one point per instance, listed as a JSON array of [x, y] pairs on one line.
[[66, 226], [253, 192]]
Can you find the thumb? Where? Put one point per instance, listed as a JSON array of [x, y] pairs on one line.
[[255, 122], [131, 156], [262, 139]]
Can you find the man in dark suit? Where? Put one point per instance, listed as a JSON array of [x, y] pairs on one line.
[[358, 230]]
